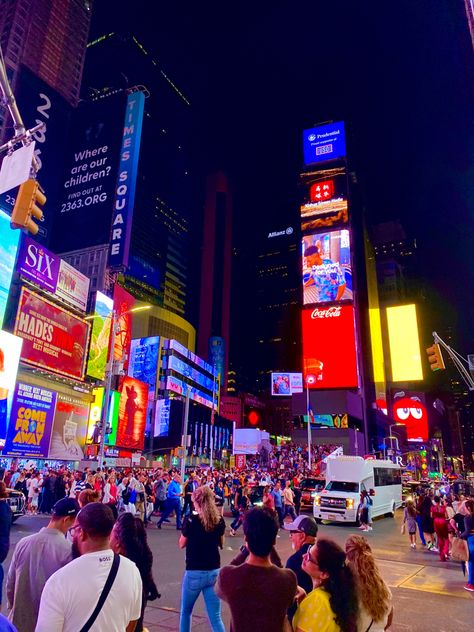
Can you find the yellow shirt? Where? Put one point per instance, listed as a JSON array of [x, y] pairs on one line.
[[315, 614]]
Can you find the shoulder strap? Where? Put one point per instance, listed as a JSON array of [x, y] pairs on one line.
[[371, 623], [104, 594]]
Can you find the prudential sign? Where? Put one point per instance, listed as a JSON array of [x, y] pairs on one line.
[[323, 143], [126, 181]]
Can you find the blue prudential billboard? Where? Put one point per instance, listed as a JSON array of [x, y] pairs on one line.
[[323, 143]]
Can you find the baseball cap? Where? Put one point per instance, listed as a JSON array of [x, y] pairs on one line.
[[305, 524], [66, 507]]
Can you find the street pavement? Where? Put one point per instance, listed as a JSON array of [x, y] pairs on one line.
[[428, 594]]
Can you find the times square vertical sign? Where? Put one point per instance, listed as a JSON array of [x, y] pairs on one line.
[[122, 215]]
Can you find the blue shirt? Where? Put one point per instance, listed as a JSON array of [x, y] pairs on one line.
[[327, 278], [174, 490], [5, 625], [277, 498]]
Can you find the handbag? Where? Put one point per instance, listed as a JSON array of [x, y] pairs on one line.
[[402, 530], [104, 594], [459, 550]]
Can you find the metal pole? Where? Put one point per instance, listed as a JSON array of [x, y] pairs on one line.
[[185, 434], [108, 386], [309, 427], [211, 442]]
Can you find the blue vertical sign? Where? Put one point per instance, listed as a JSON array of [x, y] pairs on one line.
[[126, 181]]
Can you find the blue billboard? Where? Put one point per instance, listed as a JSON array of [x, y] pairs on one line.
[[323, 143], [143, 363], [8, 249]]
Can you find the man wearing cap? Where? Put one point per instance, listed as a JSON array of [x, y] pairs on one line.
[[303, 533], [35, 559]]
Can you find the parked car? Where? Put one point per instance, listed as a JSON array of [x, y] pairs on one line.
[[308, 487], [17, 503]]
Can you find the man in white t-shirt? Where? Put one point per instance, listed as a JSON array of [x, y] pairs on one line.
[[71, 594]]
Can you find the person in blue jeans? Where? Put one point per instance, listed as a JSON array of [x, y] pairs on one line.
[[173, 502], [202, 537], [469, 536], [6, 517]]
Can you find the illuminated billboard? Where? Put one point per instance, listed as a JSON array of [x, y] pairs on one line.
[[331, 421], [132, 413], [100, 336], [68, 438], [8, 249], [162, 418], [404, 343], [10, 350], [95, 413], [184, 369], [178, 386], [329, 347], [286, 384], [176, 346], [409, 409], [325, 142], [53, 338], [327, 271], [325, 200], [143, 363], [123, 303]]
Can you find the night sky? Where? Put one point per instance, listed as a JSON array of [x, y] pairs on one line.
[[399, 73]]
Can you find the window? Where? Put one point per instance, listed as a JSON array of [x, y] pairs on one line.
[[386, 476]]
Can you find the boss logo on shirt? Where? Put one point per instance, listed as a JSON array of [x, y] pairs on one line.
[[104, 560]]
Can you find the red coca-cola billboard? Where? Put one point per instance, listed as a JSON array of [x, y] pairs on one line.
[[329, 347], [53, 338]]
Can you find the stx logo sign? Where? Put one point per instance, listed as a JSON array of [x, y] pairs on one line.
[[38, 264], [40, 261]]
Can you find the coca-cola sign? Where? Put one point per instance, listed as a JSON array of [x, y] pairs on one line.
[[329, 312]]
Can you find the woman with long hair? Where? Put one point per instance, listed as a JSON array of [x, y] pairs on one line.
[[375, 598], [129, 539], [409, 521], [440, 523], [332, 604], [203, 536]]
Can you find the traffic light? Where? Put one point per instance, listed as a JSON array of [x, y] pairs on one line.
[[254, 417], [435, 358], [424, 462], [27, 206]]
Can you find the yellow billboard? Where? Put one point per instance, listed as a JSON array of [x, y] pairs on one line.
[[404, 342]]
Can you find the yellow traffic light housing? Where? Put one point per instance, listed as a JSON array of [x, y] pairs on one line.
[[435, 358], [27, 207]]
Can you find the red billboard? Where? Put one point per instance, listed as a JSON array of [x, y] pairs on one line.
[[123, 303], [329, 347], [132, 413], [409, 409], [53, 338]]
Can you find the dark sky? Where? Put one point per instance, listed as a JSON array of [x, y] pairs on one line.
[[399, 73]]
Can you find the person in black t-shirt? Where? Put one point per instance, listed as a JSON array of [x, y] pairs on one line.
[[203, 536]]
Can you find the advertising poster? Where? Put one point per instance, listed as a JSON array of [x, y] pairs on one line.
[[329, 347], [95, 415], [325, 201], [132, 413], [69, 429], [8, 250], [143, 363], [331, 421], [53, 338], [86, 195], [100, 336], [72, 286], [409, 409], [31, 420], [177, 386], [327, 271], [10, 350], [286, 384], [123, 303], [325, 142], [162, 418]]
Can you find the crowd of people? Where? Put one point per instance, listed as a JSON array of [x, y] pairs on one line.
[[98, 524]]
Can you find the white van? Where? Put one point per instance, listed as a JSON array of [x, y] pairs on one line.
[[347, 477]]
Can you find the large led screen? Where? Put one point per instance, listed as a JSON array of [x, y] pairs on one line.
[[53, 338], [8, 248], [69, 429], [405, 355], [285, 384], [143, 363], [182, 368], [123, 303], [327, 272], [409, 409], [325, 200], [325, 142], [329, 347], [178, 386], [95, 415], [101, 324], [132, 413]]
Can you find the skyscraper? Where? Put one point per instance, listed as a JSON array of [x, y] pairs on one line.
[[214, 305]]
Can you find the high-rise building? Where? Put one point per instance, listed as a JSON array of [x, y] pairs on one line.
[[214, 304], [470, 17]]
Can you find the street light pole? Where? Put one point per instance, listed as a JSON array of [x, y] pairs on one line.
[[310, 379], [184, 440], [108, 385], [211, 441]]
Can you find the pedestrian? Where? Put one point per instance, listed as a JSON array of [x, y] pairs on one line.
[[288, 502], [110, 491], [427, 521], [243, 504], [202, 537], [409, 522], [189, 488], [468, 535], [440, 524], [87, 496], [276, 493], [34, 560], [160, 493], [173, 502], [129, 539], [303, 534], [375, 598], [33, 486], [98, 588], [140, 500], [332, 604], [419, 502], [364, 511], [6, 517], [258, 592], [268, 500]]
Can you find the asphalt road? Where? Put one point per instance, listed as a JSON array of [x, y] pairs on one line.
[[428, 594]]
